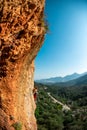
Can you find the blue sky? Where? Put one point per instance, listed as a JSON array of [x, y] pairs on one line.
[[65, 47]]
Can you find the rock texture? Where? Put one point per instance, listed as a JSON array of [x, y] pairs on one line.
[[22, 32]]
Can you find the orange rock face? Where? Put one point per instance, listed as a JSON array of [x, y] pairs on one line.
[[21, 36]]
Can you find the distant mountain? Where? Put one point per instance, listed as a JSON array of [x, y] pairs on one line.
[[61, 79], [81, 81]]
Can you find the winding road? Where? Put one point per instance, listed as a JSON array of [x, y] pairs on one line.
[[65, 107]]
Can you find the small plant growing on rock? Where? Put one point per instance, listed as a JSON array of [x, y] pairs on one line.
[[17, 126], [44, 23]]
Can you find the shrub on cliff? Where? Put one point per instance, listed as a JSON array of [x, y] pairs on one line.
[[17, 126]]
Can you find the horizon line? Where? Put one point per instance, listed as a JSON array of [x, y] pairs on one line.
[[60, 76]]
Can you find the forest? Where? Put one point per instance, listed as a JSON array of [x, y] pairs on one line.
[[51, 116]]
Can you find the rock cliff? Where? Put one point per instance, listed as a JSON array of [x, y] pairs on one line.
[[22, 32]]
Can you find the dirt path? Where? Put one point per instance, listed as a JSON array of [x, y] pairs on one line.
[[65, 107]]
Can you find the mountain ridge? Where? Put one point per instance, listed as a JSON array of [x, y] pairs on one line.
[[75, 82], [61, 79]]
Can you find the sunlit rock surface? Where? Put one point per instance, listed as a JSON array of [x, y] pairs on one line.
[[21, 36]]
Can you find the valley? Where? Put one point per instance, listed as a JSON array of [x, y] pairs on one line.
[[52, 99]]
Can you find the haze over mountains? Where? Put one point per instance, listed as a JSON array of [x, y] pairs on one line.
[[61, 79], [81, 81]]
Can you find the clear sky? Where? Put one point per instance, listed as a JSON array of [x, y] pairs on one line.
[[65, 47]]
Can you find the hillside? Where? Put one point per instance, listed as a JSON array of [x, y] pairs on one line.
[[50, 115], [76, 82], [72, 90]]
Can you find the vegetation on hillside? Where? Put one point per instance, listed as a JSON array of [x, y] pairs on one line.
[[50, 115]]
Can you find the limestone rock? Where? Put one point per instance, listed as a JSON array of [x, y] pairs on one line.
[[21, 37]]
